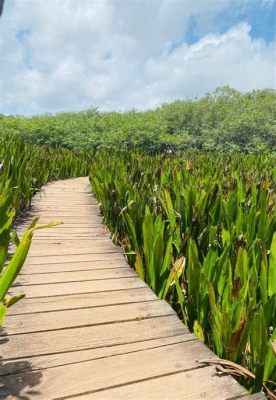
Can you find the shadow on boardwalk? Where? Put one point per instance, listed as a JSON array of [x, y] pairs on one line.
[[11, 382]]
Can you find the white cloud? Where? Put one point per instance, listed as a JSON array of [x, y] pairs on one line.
[[69, 55]]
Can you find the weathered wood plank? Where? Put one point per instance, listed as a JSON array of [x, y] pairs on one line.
[[75, 276], [66, 225], [68, 340], [60, 250], [60, 289], [123, 369], [75, 301], [65, 319], [102, 256], [50, 214], [40, 246], [68, 235], [196, 384], [40, 249], [63, 359], [70, 218], [60, 240], [96, 264], [62, 228]]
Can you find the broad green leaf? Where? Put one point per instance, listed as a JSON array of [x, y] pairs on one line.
[[272, 267]]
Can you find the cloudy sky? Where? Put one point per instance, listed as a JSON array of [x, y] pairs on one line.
[[61, 55]]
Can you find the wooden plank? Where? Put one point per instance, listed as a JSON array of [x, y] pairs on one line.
[[56, 240], [80, 203], [75, 276], [63, 214], [32, 211], [59, 192], [98, 242], [72, 229], [65, 226], [68, 225], [68, 188], [39, 241], [63, 244], [69, 340], [63, 359], [76, 237], [78, 208], [65, 319], [59, 251], [196, 384], [45, 268], [75, 301], [120, 370], [74, 258], [96, 233], [66, 232], [52, 203], [47, 203], [66, 210], [43, 219], [75, 225], [60, 289], [43, 232], [53, 253], [59, 196]]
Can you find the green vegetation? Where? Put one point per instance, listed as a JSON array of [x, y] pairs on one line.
[[222, 120], [24, 169], [200, 230], [196, 218]]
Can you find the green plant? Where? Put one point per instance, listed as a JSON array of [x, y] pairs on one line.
[[200, 230], [13, 268]]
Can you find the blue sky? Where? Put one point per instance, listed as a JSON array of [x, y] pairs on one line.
[[260, 15], [61, 55]]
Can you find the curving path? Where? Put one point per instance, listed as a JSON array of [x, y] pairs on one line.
[[89, 328]]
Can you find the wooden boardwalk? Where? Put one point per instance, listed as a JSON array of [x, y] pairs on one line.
[[89, 328]]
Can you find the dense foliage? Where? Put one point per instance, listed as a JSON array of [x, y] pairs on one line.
[[24, 169], [222, 120], [196, 219], [200, 230]]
